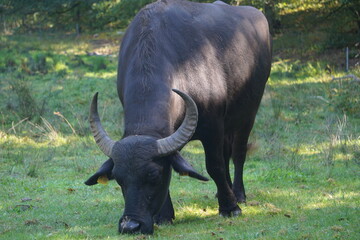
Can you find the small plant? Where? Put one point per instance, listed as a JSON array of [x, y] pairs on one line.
[[26, 104], [336, 132], [32, 169], [67, 121], [294, 162], [38, 63], [98, 63], [345, 97], [61, 69]]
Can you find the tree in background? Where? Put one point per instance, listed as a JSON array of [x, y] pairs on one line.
[[24, 15], [350, 9]]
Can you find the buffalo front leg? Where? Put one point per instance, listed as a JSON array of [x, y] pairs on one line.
[[238, 187], [216, 167], [166, 214]]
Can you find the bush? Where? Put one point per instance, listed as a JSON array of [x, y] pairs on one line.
[[38, 63], [26, 105], [98, 63]]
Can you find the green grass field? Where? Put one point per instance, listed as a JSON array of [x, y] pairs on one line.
[[303, 180]]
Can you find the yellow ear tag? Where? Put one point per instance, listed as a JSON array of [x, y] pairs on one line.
[[184, 174], [103, 179]]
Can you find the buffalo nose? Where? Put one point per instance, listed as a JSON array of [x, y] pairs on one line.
[[129, 226]]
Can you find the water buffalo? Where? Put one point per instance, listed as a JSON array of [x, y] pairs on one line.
[[219, 58]]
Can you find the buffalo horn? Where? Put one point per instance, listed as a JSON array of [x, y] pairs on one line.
[[102, 139], [183, 134]]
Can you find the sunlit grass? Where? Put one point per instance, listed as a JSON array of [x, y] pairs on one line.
[[194, 147], [52, 138], [101, 75], [330, 199], [190, 211], [289, 81], [311, 149], [297, 6]]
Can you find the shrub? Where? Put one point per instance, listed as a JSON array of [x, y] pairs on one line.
[[98, 63], [26, 104]]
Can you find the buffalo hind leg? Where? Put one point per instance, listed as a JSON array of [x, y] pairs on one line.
[[239, 155], [227, 155], [228, 140], [216, 167], [166, 214]]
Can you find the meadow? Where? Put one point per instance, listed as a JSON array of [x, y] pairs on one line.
[[302, 179]]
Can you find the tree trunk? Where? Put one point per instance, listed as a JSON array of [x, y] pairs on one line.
[[3, 23], [77, 20]]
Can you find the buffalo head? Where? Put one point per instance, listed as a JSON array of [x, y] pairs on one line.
[[141, 165]]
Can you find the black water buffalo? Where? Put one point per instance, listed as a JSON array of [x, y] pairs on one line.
[[219, 58]]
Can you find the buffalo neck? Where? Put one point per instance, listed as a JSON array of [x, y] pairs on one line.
[[147, 111], [144, 79]]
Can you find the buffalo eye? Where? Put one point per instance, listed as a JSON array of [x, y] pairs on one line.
[[154, 175]]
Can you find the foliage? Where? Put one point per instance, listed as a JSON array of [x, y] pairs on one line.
[[340, 16], [75, 15], [126, 10], [58, 14]]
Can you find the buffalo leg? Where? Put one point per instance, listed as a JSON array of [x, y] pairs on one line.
[[239, 156], [228, 140], [166, 214], [215, 165], [227, 154]]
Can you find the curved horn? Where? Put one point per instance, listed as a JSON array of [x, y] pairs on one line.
[[184, 133], [102, 139]]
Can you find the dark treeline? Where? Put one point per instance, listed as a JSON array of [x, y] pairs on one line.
[[67, 15], [338, 16]]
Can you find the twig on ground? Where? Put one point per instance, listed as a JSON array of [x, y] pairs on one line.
[[13, 126], [355, 78]]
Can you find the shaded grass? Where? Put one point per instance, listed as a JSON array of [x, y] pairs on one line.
[[302, 182]]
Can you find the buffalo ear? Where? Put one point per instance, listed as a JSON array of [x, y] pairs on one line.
[[181, 166], [103, 174]]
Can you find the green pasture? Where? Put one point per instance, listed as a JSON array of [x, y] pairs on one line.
[[302, 179]]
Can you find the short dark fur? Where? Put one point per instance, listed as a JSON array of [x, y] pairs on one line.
[[218, 54]]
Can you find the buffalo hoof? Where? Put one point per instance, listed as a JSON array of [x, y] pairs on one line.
[[163, 220], [241, 199], [231, 213], [240, 196]]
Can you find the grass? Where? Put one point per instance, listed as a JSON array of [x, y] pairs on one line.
[[302, 181]]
